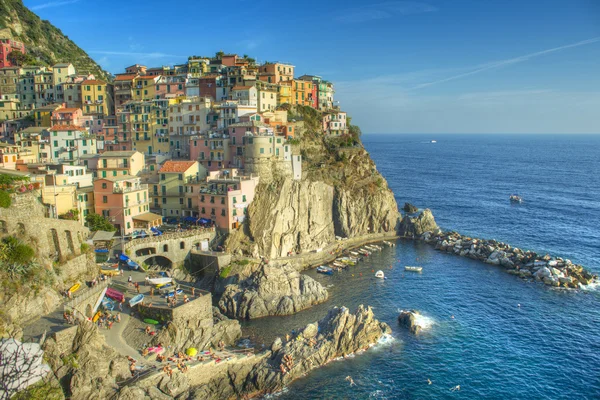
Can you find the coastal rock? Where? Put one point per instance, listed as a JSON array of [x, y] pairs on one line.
[[271, 291], [195, 330], [416, 226], [409, 319], [85, 365], [409, 208]]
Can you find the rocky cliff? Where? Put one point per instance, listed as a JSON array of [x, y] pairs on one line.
[[45, 44], [339, 334], [341, 193], [271, 291], [86, 367]]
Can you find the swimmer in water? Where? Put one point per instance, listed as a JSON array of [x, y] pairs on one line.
[[429, 381], [349, 378], [452, 317], [519, 305], [455, 388]]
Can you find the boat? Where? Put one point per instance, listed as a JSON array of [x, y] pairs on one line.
[[115, 294], [413, 269], [75, 288], [379, 274], [97, 316], [433, 141], [133, 266], [323, 269], [151, 321], [514, 198], [108, 304], [339, 264], [354, 253], [136, 300], [173, 292], [159, 281], [389, 244], [110, 269]]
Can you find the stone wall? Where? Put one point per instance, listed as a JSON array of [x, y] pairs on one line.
[[52, 238], [197, 309], [207, 263]]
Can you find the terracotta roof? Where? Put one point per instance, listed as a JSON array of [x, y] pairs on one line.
[[149, 77], [93, 82], [177, 166], [66, 110], [126, 77], [67, 128]]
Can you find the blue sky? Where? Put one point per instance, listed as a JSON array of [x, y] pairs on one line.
[[458, 66]]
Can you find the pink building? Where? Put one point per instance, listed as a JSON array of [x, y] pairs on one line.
[[67, 116], [334, 123], [7, 46], [225, 197], [125, 202]]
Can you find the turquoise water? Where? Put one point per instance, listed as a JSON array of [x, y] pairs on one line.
[[548, 348]]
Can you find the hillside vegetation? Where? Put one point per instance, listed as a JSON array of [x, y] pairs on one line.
[[46, 44]]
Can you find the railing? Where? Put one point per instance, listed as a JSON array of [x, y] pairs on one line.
[[126, 189]]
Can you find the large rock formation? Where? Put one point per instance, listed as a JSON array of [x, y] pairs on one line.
[[271, 291], [410, 320], [346, 198], [416, 226], [86, 367], [339, 334]]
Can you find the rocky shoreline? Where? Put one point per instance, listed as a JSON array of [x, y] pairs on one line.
[[526, 264]]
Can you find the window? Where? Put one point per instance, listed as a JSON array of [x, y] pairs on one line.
[[162, 177], [182, 245], [164, 200], [222, 200], [203, 211], [104, 199], [244, 198], [165, 248], [104, 185], [181, 200], [262, 151], [234, 200], [180, 177], [234, 212], [223, 212]]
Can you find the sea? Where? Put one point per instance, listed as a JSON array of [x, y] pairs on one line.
[[488, 335]]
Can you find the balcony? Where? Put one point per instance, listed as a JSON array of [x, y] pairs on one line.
[[128, 189]]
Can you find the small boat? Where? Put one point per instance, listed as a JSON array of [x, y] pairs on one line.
[[151, 321], [389, 244], [354, 253], [97, 316], [133, 266], [75, 288], [136, 300], [110, 270], [379, 274], [115, 294], [413, 269], [173, 292], [515, 198], [159, 281], [323, 269], [108, 304], [433, 141]]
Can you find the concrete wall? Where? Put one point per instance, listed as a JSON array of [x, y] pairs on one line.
[[207, 263], [198, 309]]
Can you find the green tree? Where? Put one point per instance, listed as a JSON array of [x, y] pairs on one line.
[[97, 222], [16, 58]]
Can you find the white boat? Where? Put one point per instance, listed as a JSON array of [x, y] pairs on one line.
[[434, 141], [413, 269], [514, 198], [389, 244], [136, 300], [354, 253], [379, 274], [160, 281]]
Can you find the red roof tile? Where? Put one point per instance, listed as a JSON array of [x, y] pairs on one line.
[[125, 77], [67, 128], [93, 82], [176, 166]]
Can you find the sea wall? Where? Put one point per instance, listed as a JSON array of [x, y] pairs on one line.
[[526, 264]]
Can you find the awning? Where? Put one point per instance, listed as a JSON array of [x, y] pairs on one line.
[[148, 217], [204, 221], [103, 236]]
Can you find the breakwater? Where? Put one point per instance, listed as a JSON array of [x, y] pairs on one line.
[[526, 264]]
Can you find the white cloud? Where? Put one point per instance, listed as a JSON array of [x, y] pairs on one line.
[[53, 4], [133, 54], [384, 10]]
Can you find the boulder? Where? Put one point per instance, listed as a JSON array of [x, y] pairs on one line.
[[416, 226], [271, 291], [409, 319]]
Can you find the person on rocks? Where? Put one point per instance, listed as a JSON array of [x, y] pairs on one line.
[[118, 317], [185, 299], [193, 290], [282, 369], [137, 286], [151, 291], [147, 279], [130, 281], [147, 330]]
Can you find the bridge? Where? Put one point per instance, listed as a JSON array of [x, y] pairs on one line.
[[169, 249]]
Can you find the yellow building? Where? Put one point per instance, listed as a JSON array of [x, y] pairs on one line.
[[174, 191], [42, 116], [147, 122], [32, 139], [96, 97], [144, 87], [198, 66]]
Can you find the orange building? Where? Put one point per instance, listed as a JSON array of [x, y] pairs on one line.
[[276, 72]]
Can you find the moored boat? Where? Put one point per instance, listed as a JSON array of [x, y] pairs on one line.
[[108, 304], [159, 281], [379, 274], [115, 294], [75, 288], [413, 269], [514, 198], [323, 269]]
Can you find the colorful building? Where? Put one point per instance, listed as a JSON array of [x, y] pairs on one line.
[[177, 179], [276, 72], [124, 201], [97, 97], [119, 163], [7, 46], [225, 197], [68, 142]]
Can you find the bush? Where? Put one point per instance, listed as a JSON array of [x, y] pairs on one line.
[[225, 272], [85, 247], [16, 251], [5, 200], [71, 215]]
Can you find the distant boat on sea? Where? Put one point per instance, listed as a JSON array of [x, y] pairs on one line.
[[515, 198], [433, 141]]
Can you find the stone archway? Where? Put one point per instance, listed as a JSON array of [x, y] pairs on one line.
[[163, 262], [145, 251]]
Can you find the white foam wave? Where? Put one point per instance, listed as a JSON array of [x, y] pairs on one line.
[[424, 322], [592, 287]]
